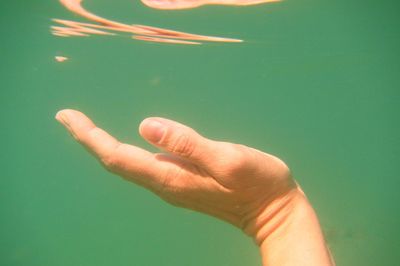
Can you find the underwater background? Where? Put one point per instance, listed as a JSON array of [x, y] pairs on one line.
[[316, 83]]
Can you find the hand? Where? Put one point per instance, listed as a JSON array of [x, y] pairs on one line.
[[243, 186], [232, 182]]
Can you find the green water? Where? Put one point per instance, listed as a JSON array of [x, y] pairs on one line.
[[316, 83]]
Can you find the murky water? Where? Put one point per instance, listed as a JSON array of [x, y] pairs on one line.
[[314, 82]]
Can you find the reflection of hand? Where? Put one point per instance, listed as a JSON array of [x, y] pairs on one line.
[[182, 4], [243, 186]]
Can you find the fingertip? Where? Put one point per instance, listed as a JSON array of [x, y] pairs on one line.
[[61, 117], [68, 117], [152, 129], [58, 115]]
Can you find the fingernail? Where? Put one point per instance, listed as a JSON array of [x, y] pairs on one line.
[[153, 130], [62, 118]]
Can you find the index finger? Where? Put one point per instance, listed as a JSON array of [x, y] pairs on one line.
[[131, 162]]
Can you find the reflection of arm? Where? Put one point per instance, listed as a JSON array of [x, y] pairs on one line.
[[294, 236]]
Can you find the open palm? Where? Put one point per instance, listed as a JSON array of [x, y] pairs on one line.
[[230, 181]]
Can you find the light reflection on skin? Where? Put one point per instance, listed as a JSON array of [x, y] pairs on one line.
[[141, 32]]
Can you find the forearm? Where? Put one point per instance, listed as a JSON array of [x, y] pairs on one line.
[[289, 233]]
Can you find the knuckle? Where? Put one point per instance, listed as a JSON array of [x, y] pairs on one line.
[[183, 145], [235, 168], [168, 190], [79, 138], [165, 187], [236, 160], [111, 161]]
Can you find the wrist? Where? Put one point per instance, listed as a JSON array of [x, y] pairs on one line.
[[288, 232], [275, 215]]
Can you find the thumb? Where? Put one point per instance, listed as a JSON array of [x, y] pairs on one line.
[[176, 139], [220, 159]]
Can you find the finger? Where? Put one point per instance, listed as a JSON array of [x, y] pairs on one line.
[[133, 163], [176, 139], [214, 156]]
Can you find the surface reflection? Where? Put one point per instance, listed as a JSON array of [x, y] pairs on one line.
[[103, 26]]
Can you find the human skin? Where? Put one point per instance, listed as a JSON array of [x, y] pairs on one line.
[[247, 188]]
